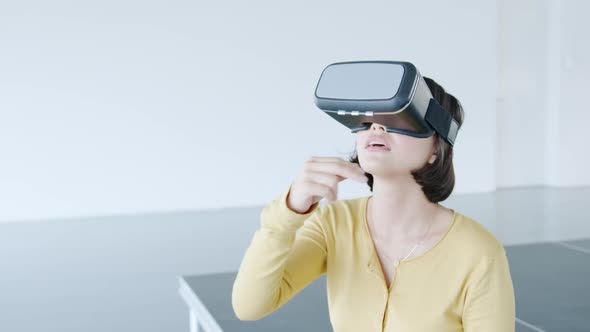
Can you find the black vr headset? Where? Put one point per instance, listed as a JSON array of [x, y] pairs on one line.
[[391, 93]]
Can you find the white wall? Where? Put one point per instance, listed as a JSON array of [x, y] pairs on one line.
[[522, 73], [574, 109], [131, 106], [543, 73]]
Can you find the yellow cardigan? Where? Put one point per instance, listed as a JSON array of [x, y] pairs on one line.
[[462, 283]]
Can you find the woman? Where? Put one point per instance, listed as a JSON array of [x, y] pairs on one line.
[[396, 260]]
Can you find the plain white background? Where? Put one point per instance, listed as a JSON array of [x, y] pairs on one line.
[[120, 107]]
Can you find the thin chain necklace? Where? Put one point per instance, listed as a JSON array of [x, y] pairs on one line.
[[415, 246]]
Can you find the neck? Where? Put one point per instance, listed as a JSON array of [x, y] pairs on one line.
[[399, 209]]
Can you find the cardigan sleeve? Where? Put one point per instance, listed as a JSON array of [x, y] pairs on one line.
[[279, 262], [490, 303]]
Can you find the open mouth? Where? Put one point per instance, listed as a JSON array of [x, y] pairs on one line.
[[377, 147]]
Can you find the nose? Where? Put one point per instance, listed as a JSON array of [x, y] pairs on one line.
[[376, 126]]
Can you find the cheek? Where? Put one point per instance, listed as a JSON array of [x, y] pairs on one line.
[[404, 139], [407, 142], [418, 148]]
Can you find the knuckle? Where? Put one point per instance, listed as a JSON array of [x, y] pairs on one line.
[[305, 177]]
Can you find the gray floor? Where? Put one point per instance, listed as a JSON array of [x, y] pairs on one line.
[[552, 285], [120, 273]]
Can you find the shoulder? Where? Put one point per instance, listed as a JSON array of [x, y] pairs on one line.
[[352, 207], [342, 216], [474, 239], [340, 213]]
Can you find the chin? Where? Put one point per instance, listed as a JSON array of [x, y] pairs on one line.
[[379, 161], [381, 168], [374, 168]]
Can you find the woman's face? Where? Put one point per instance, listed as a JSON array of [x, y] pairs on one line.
[[404, 153]]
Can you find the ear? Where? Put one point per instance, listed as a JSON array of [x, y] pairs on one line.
[[432, 159]]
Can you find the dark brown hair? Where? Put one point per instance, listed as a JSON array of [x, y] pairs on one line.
[[437, 179]]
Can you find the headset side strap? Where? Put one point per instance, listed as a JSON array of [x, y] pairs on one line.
[[442, 121]]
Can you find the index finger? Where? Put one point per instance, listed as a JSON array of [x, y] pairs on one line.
[[340, 168]]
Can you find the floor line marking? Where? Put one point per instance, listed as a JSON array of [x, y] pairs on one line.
[[529, 325], [573, 247]]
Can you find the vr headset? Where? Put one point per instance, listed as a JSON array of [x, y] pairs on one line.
[[391, 93]]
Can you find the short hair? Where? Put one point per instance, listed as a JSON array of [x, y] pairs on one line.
[[437, 179]]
